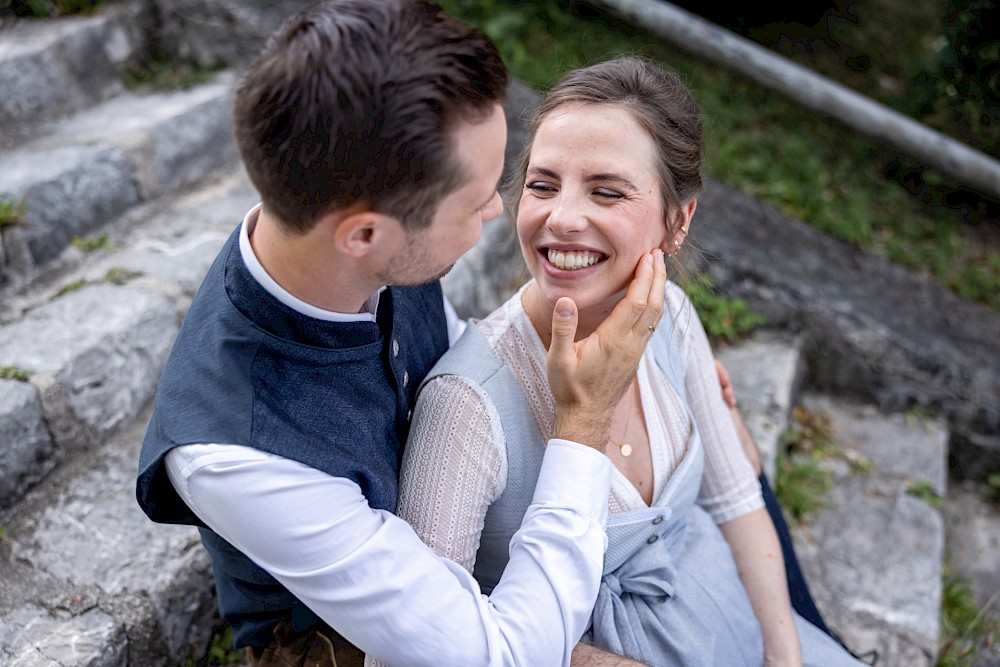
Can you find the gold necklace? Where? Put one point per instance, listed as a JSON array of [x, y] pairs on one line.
[[624, 447]]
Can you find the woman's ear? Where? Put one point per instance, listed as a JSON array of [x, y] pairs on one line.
[[682, 223]]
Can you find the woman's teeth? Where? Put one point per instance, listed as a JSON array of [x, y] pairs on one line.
[[576, 259]]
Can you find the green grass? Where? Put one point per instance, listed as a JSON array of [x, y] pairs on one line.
[[725, 319], [14, 373], [220, 651], [966, 629], [119, 276], [11, 212], [921, 488], [47, 8], [801, 486], [72, 286], [809, 166], [802, 480], [92, 244], [992, 492], [163, 74], [3, 532]]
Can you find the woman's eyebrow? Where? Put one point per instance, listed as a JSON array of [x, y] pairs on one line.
[[614, 178], [541, 171]]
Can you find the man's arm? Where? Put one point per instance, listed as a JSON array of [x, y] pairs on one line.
[[367, 574], [585, 655]]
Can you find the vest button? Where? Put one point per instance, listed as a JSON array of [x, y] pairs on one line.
[[652, 538], [658, 520], [395, 347], [406, 379], [409, 415]]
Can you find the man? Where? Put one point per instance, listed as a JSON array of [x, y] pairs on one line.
[[373, 132]]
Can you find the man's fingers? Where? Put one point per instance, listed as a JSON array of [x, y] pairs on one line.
[[654, 302], [629, 310], [727, 386], [564, 321]]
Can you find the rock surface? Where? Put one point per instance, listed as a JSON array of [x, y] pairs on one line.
[[873, 558]]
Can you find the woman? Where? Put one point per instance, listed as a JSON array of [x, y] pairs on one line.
[[693, 572]]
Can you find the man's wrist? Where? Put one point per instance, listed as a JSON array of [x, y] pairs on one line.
[[578, 426]]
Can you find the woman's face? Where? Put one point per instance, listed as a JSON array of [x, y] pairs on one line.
[[591, 205]]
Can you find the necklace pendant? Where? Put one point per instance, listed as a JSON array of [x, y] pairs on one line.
[[626, 449]]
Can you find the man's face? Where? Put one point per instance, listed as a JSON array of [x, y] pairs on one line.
[[429, 253]]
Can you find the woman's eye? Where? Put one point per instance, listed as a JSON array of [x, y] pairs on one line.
[[540, 187], [604, 193]]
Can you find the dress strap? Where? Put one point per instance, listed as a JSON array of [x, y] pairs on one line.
[[473, 358]]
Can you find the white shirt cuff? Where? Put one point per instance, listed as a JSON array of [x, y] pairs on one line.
[[575, 476]]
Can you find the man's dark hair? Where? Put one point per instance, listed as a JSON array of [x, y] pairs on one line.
[[353, 101]]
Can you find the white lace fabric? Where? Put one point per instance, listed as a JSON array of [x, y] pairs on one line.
[[455, 463]]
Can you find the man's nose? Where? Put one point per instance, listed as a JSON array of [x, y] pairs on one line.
[[494, 208]]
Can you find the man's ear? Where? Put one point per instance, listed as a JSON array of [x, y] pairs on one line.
[[359, 233]]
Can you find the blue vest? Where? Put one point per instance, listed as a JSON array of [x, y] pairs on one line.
[[246, 369]]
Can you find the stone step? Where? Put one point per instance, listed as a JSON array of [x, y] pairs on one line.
[[874, 557], [973, 537], [766, 371], [92, 355], [89, 169], [87, 579], [51, 68]]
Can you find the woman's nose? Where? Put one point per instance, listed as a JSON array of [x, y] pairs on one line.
[[566, 216]]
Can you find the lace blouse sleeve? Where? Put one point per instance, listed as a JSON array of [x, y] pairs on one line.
[[729, 487], [454, 467]]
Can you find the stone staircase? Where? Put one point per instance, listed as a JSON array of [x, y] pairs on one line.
[[151, 180]]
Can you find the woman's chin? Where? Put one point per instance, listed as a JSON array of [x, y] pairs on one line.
[[589, 303]]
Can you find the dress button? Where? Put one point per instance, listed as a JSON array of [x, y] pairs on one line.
[[406, 379], [652, 538], [658, 520], [395, 347]]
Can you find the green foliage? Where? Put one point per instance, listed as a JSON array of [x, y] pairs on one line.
[[992, 492], [11, 212], [220, 651], [72, 286], [809, 166], [859, 465], [725, 319], [3, 533], [14, 373], [965, 628], [163, 74], [802, 480], [801, 485], [119, 276], [921, 488], [94, 243], [47, 8], [961, 93]]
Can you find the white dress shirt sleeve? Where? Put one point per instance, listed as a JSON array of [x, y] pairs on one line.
[[367, 574]]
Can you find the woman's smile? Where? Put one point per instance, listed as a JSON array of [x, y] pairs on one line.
[[591, 205]]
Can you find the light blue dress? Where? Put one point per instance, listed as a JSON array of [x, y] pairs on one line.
[[670, 592]]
